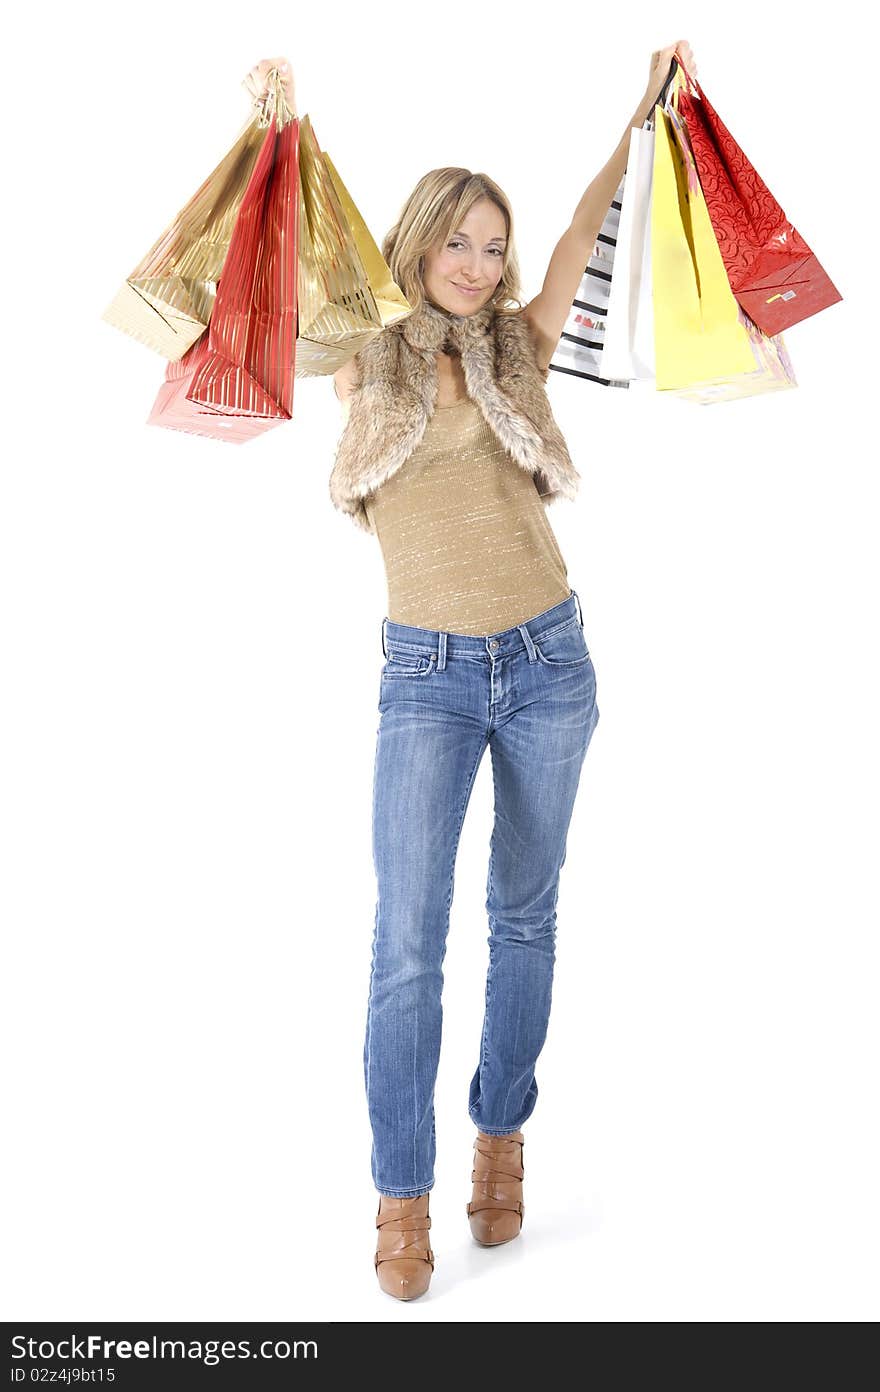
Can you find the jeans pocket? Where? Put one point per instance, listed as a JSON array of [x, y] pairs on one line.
[[563, 647], [402, 662]]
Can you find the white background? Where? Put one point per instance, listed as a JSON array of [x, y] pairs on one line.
[[191, 651]]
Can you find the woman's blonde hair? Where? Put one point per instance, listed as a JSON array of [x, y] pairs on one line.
[[437, 206]]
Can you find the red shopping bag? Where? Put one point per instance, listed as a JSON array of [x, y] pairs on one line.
[[175, 410], [237, 380], [771, 269]]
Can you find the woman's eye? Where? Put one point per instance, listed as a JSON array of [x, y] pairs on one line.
[[497, 250]]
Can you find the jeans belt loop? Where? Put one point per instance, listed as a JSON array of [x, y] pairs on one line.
[[384, 649], [578, 602], [441, 652], [527, 639]]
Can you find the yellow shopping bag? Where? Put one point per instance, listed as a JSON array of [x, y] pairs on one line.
[[771, 370], [698, 335]]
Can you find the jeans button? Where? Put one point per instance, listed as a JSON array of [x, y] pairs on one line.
[[494, 644]]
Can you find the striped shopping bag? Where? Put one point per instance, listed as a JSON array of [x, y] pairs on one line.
[[579, 351]]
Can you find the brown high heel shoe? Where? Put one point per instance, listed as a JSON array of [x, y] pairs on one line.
[[496, 1208], [404, 1261]]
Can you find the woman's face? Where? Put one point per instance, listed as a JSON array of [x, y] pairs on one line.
[[471, 257]]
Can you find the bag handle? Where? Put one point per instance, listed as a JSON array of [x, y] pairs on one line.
[[273, 102], [678, 76], [690, 78], [664, 90], [676, 69]]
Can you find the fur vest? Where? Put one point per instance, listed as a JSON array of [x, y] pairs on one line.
[[397, 394]]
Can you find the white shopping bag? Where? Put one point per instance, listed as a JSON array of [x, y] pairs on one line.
[[629, 328], [644, 361], [580, 350]]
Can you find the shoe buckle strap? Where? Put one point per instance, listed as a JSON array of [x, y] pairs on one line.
[[402, 1222], [496, 1174], [516, 1207], [427, 1256]]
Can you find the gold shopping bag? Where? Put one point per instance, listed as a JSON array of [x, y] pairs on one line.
[[345, 291], [167, 299]]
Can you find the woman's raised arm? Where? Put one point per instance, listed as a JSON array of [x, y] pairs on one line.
[[547, 312]]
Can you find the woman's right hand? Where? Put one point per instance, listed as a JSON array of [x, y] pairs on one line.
[[257, 80]]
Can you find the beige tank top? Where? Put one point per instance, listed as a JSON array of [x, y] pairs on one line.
[[465, 537]]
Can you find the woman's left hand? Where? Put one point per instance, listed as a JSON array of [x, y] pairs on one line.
[[661, 61]]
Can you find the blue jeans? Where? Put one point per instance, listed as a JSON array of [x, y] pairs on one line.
[[528, 693]]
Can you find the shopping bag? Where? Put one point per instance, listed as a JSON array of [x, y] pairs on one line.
[[391, 303], [580, 350], [629, 330], [769, 365], [771, 269], [346, 293], [173, 409], [697, 333], [239, 381], [167, 300], [773, 370]]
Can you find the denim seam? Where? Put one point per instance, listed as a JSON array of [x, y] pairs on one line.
[[405, 671], [568, 662], [484, 1058], [369, 1039], [557, 628], [488, 1131], [406, 1193]]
